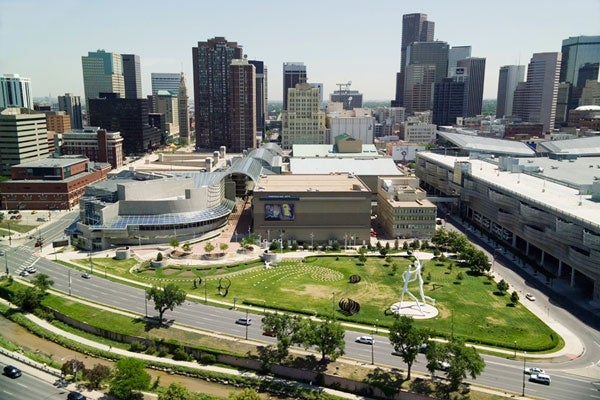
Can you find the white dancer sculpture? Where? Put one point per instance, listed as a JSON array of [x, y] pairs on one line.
[[411, 275]]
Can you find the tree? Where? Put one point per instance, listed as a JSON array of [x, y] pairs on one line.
[[326, 336], [464, 360], [26, 298], [187, 247], [174, 243], [502, 286], [97, 374], [514, 298], [407, 340], [396, 244], [223, 247], [130, 376], [476, 260], [166, 298], [175, 391], [244, 394], [283, 327], [72, 367], [42, 283], [208, 247]]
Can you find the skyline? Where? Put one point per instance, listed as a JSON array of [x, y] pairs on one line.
[[365, 52]]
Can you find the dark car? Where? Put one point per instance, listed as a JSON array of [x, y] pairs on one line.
[[12, 372], [243, 321], [76, 396]]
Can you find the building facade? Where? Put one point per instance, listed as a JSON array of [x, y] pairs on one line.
[[262, 98], [71, 104], [132, 76], [303, 122], [58, 121], [167, 104], [211, 60], [182, 106], [24, 137], [418, 86], [293, 74], [508, 79], [456, 53], [15, 91], [242, 103], [448, 98], [102, 73], [96, 144], [472, 71], [416, 131]]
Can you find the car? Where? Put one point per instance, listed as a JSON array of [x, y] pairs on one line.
[[244, 321], [365, 340], [12, 372], [31, 270], [443, 365], [533, 371], [529, 297], [42, 219], [24, 273], [76, 396], [268, 332], [86, 276], [540, 378], [2, 253], [34, 212], [423, 348]]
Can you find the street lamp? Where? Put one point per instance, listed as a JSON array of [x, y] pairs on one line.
[[6, 264], [373, 352], [376, 325], [524, 358], [246, 324], [312, 241], [515, 349]]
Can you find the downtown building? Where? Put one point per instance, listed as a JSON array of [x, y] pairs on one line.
[[242, 103], [262, 99], [211, 60], [15, 91], [102, 73], [182, 106], [132, 76], [293, 74], [24, 137], [471, 71], [508, 79], [71, 104], [303, 122], [96, 144]]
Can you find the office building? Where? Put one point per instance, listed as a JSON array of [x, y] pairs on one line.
[[58, 121], [303, 122], [184, 115], [508, 78], [132, 76], [471, 71], [94, 143], [24, 137], [211, 61], [166, 103], [318, 85], [130, 117], [102, 73], [419, 82], [414, 130], [15, 91], [351, 99], [293, 74], [448, 98], [242, 103], [71, 104], [456, 53], [262, 98], [165, 81], [540, 90], [357, 123], [415, 28]]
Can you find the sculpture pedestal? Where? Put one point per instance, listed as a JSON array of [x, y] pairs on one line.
[[411, 309]]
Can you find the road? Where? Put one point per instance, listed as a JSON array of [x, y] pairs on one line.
[[501, 373], [27, 386]]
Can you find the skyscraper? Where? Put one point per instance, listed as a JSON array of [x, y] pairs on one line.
[[72, 106], [303, 122], [166, 104], [426, 64], [456, 53], [132, 76], [508, 78], [15, 91], [24, 137], [293, 73], [261, 96], [102, 73], [415, 28], [242, 103], [448, 101], [473, 74], [211, 60], [541, 90], [165, 81], [184, 118]]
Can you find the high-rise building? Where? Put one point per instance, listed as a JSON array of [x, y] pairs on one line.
[[579, 54], [473, 74], [15, 91], [128, 116], [242, 103], [58, 121], [508, 78], [94, 143], [24, 137], [293, 73], [415, 28], [448, 101], [166, 103], [456, 53], [102, 73], [350, 99], [262, 98], [541, 90], [71, 104], [184, 116], [303, 122], [211, 60], [165, 81], [132, 76]]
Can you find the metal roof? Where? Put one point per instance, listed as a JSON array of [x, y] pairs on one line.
[[488, 145], [357, 166], [586, 146]]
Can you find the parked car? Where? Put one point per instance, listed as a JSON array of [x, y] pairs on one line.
[[533, 371], [540, 378], [243, 321], [529, 297], [365, 340], [12, 372]]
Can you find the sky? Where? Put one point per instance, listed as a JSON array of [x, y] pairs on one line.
[[338, 41]]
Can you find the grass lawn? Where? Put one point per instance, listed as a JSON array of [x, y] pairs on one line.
[[16, 226]]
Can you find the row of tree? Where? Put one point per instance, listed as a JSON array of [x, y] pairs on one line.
[[451, 241]]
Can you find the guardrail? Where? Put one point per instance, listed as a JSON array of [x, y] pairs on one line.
[[31, 363]]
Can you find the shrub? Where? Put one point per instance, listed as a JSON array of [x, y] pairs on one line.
[[180, 355], [137, 346], [163, 351], [159, 257], [207, 358]]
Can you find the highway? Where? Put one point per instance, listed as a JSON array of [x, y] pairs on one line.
[[29, 386], [501, 373]]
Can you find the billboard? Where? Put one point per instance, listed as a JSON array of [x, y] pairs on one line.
[[279, 212]]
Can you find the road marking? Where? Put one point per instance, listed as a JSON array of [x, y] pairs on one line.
[[7, 392]]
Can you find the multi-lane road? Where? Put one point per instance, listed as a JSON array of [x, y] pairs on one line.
[[501, 373]]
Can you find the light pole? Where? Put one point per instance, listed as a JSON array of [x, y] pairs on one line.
[[376, 325], [524, 358], [6, 264], [246, 324], [332, 304], [91, 264], [69, 282], [264, 306], [345, 241], [146, 303], [373, 352], [515, 349], [312, 241]]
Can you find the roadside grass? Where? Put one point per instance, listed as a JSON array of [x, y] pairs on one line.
[[15, 226]]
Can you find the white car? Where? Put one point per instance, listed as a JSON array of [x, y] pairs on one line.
[[365, 339], [244, 321], [24, 273], [529, 297], [533, 371]]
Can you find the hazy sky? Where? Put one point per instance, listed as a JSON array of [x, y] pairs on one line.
[[338, 41]]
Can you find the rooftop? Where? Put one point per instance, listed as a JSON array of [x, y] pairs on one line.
[[357, 165], [308, 183], [327, 150], [488, 145]]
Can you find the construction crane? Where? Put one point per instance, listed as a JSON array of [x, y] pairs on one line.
[[346, 85]]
